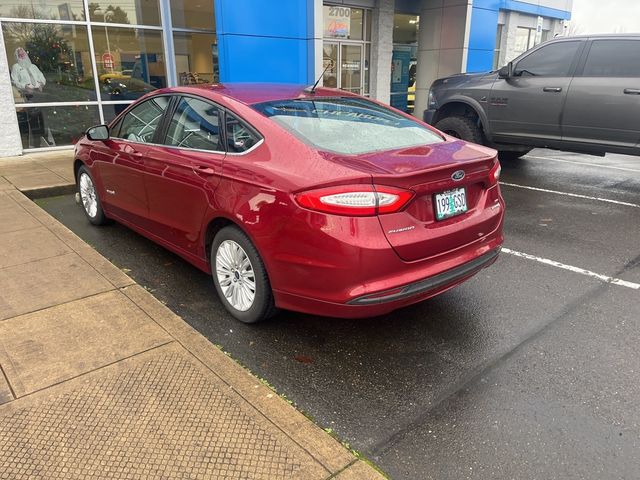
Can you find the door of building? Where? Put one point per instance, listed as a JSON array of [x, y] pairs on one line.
[[346, 71]]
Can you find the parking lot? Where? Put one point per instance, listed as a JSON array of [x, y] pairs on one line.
[[529, 370]]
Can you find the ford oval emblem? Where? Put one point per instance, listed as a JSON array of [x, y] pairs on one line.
[[457, 175]]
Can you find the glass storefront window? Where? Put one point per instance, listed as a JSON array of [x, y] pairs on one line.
[[330, 62], [196, 58], [343, 22], [405, 28], [130, 12], [48, 63], [193, 14], [55, 126], [43, 9], [112, 110], [130, 62]]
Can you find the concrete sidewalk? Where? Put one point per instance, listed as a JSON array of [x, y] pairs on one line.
[[98, 379]]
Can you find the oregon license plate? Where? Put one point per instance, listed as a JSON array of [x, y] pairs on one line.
[[450, 203]]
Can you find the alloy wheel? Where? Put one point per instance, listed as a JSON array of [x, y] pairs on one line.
[[235, 275], [88, 195]]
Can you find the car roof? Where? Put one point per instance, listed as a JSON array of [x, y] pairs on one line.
[[250, 93]]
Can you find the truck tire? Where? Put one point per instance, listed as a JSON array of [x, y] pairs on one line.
[[464, 128], [509, 156]]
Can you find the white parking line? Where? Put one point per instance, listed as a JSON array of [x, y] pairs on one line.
[[554, 159], [581, 271], [576, 195]]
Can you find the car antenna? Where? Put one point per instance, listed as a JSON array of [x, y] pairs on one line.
[[312, 90]]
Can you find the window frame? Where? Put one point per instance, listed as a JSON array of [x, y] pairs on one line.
[[577, 58]]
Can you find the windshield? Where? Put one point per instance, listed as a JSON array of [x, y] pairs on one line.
[[347, 125]]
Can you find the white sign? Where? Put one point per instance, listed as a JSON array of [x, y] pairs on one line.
[[539, 30]]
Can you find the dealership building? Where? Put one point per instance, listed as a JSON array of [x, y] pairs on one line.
[[67, 65]]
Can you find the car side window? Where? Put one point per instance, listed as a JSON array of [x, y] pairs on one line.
[[613, 58], [140, 123], [554, 60], [195, 124], [240, 137]]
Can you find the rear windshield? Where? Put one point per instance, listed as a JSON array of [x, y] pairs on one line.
[[347, 125]]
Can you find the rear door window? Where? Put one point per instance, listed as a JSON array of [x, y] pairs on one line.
[[141, 122], [240, 137], [554, 60], [613, 58], [196, 125]]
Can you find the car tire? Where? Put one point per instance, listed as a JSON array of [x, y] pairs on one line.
[[240, 277], [89, 198], [510, 156], [464, 128]]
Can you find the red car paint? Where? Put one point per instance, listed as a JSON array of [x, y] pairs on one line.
[[317, 262]]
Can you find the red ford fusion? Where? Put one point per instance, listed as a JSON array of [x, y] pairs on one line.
[[313, 200]]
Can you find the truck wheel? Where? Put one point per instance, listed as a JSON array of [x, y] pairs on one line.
[[464, 128], [509, 156]]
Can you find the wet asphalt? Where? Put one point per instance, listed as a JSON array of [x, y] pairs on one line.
[[526, 371]]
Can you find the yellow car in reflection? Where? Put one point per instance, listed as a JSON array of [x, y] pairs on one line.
[[105, 77]]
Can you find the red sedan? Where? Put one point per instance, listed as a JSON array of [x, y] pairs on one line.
[[317, 201]]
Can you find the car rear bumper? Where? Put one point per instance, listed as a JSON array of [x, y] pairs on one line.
[[428, 281], [428, 116], [429, 284]]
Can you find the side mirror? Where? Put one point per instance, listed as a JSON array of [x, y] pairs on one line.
[[98, 133], [506, 71]]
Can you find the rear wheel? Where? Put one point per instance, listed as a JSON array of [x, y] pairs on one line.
[[89, 197], [240, 277], [464, 128], [509, 156]]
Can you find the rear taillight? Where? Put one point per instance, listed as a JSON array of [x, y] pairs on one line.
[[494, 174], [355, 200]]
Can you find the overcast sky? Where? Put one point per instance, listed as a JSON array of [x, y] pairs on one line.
[[606, 16]]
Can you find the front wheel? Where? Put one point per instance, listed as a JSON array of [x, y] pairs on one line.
[[89, 197], [240, 277], [464, 128]]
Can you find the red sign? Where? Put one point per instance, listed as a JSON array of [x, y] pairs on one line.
[[107, 60]]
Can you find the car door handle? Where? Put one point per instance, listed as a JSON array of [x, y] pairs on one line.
[[204, 170], [552, 89], [632, 91]]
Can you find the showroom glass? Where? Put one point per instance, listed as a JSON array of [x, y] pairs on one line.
[[42, 9], [347, 125], [195, 124], [193, 14], [550, 61], [343, 22], [240, 137], [130, 62], [599, 62], [140, 124], [196, 58], [347, 34], [129, 12], [48, 63], [45, 127]]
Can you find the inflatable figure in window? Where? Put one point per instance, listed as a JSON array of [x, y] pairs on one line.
[[26, 76]]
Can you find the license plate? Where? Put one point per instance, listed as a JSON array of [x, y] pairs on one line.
[[450, 203]]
